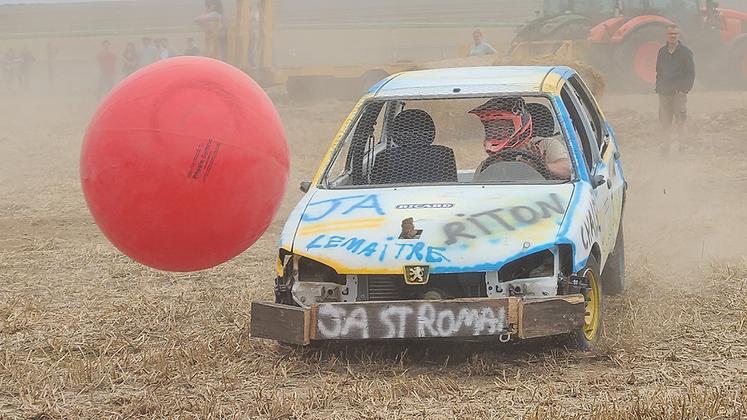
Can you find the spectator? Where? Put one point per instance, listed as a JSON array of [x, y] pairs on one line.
[[480, 47], [130, 58], [149, 52], [164, 51], [24, 67], [191, 47], [675, 75], [214, 24], [107, 68], [255, 32]]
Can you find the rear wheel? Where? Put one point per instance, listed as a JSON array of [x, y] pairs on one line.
[[636, 59], [613, 277], [590, 333]]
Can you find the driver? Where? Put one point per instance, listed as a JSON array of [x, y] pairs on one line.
[[509, 137]]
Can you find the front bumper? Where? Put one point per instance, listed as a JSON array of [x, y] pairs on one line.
[[458, 318]]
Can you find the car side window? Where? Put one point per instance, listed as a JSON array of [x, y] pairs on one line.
[[590, 108], [358, 146], [582, 128]]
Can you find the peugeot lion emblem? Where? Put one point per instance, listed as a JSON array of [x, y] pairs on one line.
[[416, 274]]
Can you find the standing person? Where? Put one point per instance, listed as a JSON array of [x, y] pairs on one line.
[[149, 52], [675, 75], [215, 26], [191, 47], [480, 47], [24, 67], [164, 51], [130, 60], [107, 68]]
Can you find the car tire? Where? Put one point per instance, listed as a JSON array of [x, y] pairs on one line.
[[613, 276], [590, 333]]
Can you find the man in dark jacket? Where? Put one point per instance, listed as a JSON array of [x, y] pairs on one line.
[[675, 75]]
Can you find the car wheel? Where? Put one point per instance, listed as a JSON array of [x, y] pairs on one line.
[[590, 333], [613, 276]]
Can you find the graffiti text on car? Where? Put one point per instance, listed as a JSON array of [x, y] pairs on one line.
[[591, 228], [411, 320], [414, 251], [355, 204], [502, 219]]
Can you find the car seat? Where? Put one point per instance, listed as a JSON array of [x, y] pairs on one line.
[[414, 159]]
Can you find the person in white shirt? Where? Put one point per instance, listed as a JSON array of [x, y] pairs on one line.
[[163, 49], [480, 47]]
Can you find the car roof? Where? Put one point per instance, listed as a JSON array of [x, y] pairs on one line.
[[472, 81]]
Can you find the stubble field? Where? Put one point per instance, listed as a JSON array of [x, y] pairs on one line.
[[87, 333]]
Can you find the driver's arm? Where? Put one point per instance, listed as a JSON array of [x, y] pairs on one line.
[[557, 159], [561, 168]]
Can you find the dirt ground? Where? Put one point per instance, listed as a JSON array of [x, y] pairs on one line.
[[85, 332]]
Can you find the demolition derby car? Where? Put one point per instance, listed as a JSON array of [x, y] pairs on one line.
[[457, 203]]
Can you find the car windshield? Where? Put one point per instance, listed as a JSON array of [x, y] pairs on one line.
[[488, 140]]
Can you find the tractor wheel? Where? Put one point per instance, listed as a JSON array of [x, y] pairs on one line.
[[636, 59], [738, 65], [571, 31], [590, 333], [613, 276]]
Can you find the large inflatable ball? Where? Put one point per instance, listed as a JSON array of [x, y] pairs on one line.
[[185, 164]]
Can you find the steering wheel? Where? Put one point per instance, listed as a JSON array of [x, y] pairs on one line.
[[511, 155]]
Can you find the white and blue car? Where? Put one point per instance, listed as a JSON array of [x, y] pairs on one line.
[[413, 228]]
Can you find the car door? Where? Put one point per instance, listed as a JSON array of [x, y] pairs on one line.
[[609, 155], [600, 174]]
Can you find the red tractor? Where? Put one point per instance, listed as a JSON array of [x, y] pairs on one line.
[[625, 47]]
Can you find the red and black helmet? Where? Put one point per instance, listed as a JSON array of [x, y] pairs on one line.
[[508, 124]]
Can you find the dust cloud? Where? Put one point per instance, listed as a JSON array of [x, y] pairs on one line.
[[85, 332]]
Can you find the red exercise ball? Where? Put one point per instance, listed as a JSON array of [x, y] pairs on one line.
[[185, 164]]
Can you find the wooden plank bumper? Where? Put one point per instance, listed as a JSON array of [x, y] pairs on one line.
[[459, 318]]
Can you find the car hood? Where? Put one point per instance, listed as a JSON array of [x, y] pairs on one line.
[[452, 229]]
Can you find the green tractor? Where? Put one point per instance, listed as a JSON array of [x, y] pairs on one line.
[[566, 20]]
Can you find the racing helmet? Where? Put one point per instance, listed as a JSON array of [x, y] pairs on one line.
[[508, 124]]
